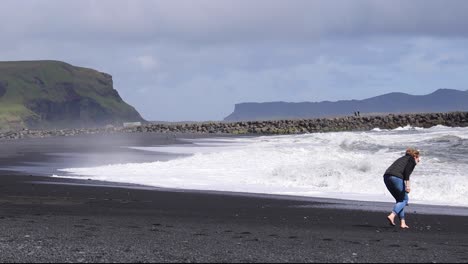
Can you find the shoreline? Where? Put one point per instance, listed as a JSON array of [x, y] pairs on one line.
[[331, 202], [43, 154]]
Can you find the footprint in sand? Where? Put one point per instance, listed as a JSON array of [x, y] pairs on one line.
[[200, 234]]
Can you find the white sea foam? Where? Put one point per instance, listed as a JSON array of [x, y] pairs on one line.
[[346, 165]]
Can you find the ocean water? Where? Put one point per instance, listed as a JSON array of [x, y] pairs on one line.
[[344, 165]]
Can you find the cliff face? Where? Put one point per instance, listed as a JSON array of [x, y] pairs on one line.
[[443, 100], [56, 94]]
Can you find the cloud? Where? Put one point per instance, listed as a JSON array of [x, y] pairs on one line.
[[223, 21], [147, 62]]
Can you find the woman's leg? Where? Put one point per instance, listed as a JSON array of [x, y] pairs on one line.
[[401, 215], [396, 187], [400, 207]]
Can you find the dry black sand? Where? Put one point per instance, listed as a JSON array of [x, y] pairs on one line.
[[44, 220]]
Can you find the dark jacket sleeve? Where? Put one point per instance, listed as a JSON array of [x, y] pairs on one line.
[[409, 169]]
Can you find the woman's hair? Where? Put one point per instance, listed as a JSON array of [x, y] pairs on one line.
[[413, 152]]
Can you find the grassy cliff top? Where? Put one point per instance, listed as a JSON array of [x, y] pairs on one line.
[[39, 79], [22, 82]]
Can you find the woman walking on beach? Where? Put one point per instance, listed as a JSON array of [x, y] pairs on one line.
[[397, 180]]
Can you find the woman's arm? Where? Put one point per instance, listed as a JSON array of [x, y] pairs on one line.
[[407, 186], [409, 169]]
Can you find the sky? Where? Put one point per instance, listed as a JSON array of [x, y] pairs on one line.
[[186, 60]]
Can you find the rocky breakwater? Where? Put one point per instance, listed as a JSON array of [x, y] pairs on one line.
[[281, 127], [26, 133]]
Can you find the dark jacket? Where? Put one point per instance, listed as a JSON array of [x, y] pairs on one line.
[[402, 167]]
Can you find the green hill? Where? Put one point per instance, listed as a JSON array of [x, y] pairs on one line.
[[56, 94]]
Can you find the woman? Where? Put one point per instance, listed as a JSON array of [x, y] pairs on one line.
[[397, 180]]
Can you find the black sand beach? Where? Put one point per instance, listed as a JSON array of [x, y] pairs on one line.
[[44, 219]]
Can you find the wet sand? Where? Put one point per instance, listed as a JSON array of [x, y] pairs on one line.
[[44, 219]]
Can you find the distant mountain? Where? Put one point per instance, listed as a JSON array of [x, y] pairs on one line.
[[56, 94], [442, 100]]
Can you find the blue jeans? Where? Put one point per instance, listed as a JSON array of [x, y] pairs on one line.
[[396, 186]]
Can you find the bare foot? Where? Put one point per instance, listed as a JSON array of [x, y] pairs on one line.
[[391, 219], [403, 225]]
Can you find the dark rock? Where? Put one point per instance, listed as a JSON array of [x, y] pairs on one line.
[[3, 88], [39, 82]]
